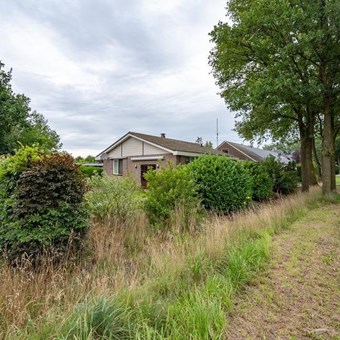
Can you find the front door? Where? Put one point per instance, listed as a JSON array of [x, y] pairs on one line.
[[143, 169]]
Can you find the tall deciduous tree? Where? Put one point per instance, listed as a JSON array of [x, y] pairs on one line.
[[18, 123], [267, 61]]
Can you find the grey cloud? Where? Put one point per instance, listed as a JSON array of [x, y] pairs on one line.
[[88, 27], [129, 57]]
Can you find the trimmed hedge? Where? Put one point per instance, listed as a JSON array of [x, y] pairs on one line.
[[41, 205], [223, 184]]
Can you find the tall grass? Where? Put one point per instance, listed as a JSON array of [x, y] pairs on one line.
[[134, 284]]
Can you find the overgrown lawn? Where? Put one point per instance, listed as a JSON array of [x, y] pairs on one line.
[[141, 285]]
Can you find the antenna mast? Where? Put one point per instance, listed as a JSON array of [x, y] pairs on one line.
[[216, 132]]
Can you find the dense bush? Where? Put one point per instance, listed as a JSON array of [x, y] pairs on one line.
[[298, 172], [41, 205], [170, 191], [90, 171], [224, 184], [262, 182], [113, 200], [284, 177]]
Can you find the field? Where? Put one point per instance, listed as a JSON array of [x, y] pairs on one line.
[[133, 284]]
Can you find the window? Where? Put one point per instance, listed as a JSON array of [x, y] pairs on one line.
[[118, 167], [189, 159]]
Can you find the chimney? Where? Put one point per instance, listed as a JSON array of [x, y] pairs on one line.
[[163, 135]]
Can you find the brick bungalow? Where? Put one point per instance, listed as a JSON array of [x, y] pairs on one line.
[[135, 153]]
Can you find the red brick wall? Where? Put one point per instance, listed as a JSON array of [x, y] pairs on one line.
[[233, 152], [108, 166], [133, 168]]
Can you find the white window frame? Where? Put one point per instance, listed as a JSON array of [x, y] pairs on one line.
[[115, 167]]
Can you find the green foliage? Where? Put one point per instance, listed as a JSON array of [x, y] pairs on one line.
[[276, 63], [87, 159], [199, 314], [170, 190], [41, 205], [298, 171], [262, 182], [90, 171], [37, 131], [284, 177], [101, 319], [113, 200], [224, 184], [18, 123], [200, 309]]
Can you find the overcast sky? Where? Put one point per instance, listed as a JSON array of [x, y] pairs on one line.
[[98, 69]]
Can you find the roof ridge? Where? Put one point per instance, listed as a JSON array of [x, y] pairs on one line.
[[176, 140]]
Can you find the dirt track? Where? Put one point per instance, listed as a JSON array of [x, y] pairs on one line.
[[299, 296]]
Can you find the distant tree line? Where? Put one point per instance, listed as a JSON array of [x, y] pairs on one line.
[[18, 123]]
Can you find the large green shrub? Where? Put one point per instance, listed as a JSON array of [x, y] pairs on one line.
[[113, 200], [284, 177], [41, 205], [170, 191], [262, 182], [224, 184]]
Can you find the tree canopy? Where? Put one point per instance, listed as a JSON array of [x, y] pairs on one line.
[[276, 64], [18, 123]]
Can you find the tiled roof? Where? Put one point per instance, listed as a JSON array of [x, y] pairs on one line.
[[259, 154], [175, 144]]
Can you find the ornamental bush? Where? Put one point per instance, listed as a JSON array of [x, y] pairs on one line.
[[223, 184], [170, 192], [284, 177], [41, 205], [262, 182]]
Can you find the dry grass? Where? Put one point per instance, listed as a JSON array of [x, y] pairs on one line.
[[126, 258]]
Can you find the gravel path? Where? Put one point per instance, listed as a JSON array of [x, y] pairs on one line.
[[299, 295]]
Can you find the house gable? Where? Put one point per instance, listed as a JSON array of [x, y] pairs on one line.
[[232, 150], [132, 146]]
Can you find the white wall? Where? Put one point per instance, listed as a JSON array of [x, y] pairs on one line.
[[134, 147], [152, 150]]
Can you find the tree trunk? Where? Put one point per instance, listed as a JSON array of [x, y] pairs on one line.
[[308, 177], [305, 164], [317, 160], [327, 148], [309, 151], [333, 178]]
